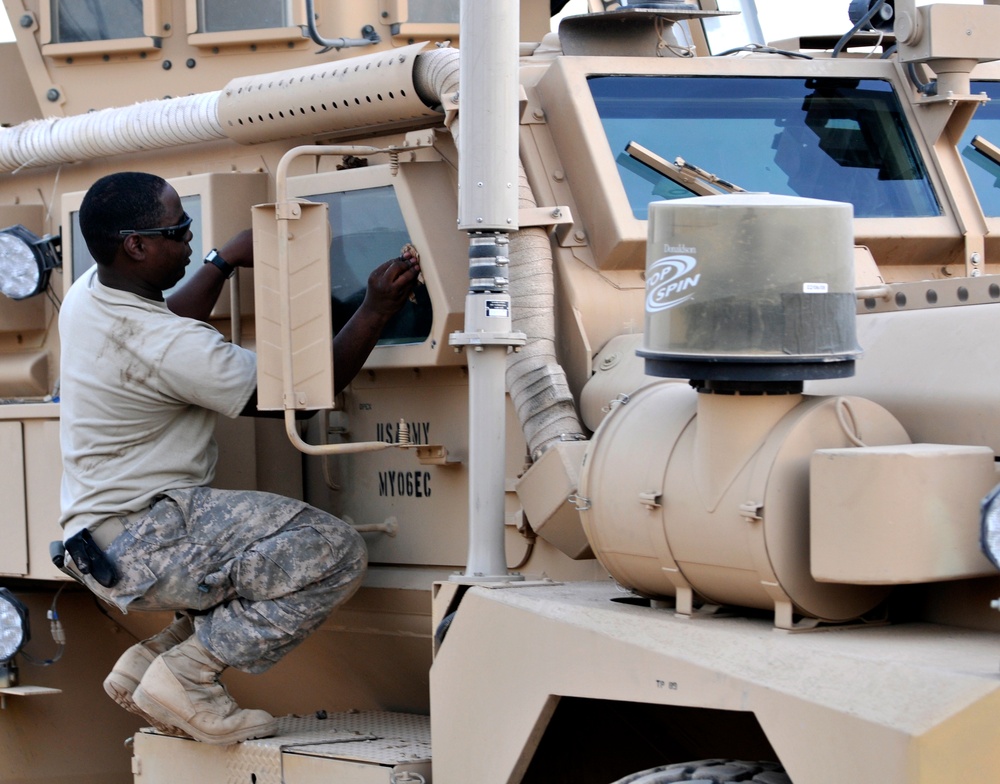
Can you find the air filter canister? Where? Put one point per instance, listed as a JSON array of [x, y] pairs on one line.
[[750, 287]]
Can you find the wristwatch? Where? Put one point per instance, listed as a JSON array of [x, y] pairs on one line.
[[224, 266]]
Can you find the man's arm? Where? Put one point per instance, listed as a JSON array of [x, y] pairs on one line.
[[389, 286], [196, 298]]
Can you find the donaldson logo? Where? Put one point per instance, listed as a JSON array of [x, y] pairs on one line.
[[670, 282]]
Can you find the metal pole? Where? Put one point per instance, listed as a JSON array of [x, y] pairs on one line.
[[487, 210]]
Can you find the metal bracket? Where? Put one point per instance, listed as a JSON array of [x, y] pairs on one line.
[[289, 210], [558, 219], [478, 339], [548, 217], [432, 454], [650, 499]]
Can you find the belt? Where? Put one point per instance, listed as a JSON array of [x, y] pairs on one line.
[[107, 532], [86, 551]]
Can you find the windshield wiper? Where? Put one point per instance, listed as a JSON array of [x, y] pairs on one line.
[[987, 148], [687, 175]]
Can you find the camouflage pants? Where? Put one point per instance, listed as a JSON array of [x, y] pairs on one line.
[[258, 572]]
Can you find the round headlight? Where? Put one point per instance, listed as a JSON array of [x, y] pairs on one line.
[[26, 261], [989, 537], [14, 632]]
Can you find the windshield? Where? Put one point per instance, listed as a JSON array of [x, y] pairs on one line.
[[984, 173], [838, 139]]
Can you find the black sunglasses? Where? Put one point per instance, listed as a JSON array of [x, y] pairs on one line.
[[176, 233]]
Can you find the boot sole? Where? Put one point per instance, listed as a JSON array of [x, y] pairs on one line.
[[120, 688], [154, 709]]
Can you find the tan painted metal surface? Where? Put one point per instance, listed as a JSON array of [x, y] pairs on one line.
[[870, 505], [911, 704], [694, 500]]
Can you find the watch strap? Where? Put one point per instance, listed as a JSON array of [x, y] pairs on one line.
[[224, 266]]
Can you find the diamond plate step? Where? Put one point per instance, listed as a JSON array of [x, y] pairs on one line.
[[395, 747]]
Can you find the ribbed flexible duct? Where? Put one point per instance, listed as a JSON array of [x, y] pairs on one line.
[[108, 132], [536, 382]]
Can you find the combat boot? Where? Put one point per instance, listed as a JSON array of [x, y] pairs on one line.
[[181, 689], [125, 676]]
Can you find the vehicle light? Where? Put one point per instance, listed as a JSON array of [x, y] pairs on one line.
[[873, 14], [26, 261], [14, 632], [990, 531]]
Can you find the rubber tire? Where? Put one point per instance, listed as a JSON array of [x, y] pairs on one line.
[[711, 771]]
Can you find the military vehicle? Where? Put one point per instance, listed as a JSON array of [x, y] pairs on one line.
[[677, 467]]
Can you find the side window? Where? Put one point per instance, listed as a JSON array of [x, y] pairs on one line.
[[433, 11], [74, 21], [217, 16], [82, 260], [367, 228]]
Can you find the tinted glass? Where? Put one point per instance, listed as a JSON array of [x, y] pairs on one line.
[[839, 139], [367, 227], [216, 16], [82, 260], [94, 20], [433, 11], [983, 172]]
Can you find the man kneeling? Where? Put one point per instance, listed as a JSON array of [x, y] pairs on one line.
[[143, 378]]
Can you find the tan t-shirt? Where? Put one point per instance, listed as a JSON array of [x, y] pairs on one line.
[[140, 389]]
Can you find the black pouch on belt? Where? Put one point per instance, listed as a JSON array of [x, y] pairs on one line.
[[90, 559]]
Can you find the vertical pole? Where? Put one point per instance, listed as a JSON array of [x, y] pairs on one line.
[[487, 210], [488, 106]]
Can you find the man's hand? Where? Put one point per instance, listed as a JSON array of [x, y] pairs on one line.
[[391, 283], [389, 286]]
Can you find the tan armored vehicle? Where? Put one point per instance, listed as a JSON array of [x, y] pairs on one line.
[[676, 468]]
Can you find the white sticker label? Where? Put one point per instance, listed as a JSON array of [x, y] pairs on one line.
[[497, 308], [815, 288]]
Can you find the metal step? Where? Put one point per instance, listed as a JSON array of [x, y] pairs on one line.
[[367, 747]]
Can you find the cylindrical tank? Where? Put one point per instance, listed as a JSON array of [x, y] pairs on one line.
[[707, 495], [750, 287]]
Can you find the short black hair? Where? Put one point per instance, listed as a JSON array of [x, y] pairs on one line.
[[124, 200]]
